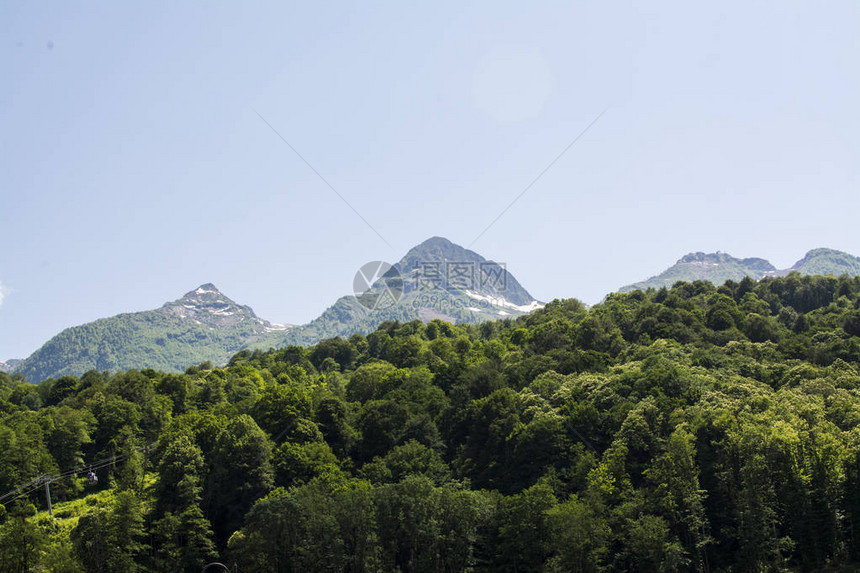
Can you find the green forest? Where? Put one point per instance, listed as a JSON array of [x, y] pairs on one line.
[[691, 428]]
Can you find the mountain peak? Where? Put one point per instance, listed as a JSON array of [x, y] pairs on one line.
[[437, 249], [208, 305], [202, 325], [444, 258], [721, 258], [204, 289], [437, 242], [714, 267], [828, 261], [701, 257]]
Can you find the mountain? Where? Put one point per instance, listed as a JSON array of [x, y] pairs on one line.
[[827, 262], [9, 365], [714, 267], [720, 267], [436, 279], [202, 325]]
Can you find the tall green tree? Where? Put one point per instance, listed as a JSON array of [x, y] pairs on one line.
[[240, 473]]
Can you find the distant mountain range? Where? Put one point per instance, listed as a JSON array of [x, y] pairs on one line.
[[720, 267], [436, 279]]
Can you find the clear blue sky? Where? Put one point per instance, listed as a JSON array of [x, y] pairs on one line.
[[133, 166]]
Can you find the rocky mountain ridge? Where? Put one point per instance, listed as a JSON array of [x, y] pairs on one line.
[[719, 267]]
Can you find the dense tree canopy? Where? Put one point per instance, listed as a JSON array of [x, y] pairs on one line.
[[692, 428]]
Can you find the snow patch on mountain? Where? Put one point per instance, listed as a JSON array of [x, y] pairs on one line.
[[504, 303]]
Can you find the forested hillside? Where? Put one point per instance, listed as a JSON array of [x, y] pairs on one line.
[[203, 325], [696, 428]]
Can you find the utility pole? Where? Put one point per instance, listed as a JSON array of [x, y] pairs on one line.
[[48, 494]]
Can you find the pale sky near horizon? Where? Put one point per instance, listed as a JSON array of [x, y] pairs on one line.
[[134, 166]]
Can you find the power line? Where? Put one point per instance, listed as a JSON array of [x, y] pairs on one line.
[[19, 488], [38, 482]]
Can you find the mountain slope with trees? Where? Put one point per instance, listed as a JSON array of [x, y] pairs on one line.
[[202, 325], [697, 428], [827, 262]]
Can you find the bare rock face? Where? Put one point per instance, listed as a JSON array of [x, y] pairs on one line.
[[209, 306]]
